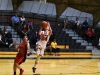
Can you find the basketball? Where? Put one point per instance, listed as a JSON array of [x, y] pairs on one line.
[[44, 24]]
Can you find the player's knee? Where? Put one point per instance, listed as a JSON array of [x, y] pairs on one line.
[[40, 55], [36, 62], [15, 64]]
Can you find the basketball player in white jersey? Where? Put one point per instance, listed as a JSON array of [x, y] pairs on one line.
[[41, 44]]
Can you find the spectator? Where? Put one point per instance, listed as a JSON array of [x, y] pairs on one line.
[[65, 22], [98, 45], [15, 20], [89, 32], [4, 33], [9, 41], [93, 34], [22, 19], [2, 42], [25, 31], [35, 38], [88, 35], [54, 47], [85, 25], [77, 23], [30, 24]]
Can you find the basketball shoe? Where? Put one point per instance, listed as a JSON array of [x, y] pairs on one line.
[[30, 53], [34, 69], [21, 72]]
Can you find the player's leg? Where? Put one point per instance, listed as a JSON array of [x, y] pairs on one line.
[[40, 54], [14, 69], [30, 53], [17, 62], [19, 67], [14, 66], [39, 48], [38, 45], [36, 62]]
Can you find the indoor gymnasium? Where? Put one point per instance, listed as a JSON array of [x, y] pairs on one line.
[[49, 37]]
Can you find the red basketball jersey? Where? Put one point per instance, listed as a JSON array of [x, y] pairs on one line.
[[22, 48]]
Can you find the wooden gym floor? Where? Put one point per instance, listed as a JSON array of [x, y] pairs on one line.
[[54, 67]]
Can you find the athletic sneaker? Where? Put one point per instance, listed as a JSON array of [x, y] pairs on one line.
[[21, 72], [30, 53], [34, 69]]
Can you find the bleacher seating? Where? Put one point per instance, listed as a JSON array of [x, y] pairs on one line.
[[65, 42], [14, 36], [94, 42]]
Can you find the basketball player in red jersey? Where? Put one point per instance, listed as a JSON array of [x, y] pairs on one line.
[[21, 55], [41, 44]]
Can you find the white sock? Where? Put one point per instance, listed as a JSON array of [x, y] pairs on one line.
[[35, 66]]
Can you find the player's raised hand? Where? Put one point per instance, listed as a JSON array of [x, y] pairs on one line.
[[15, 42], [48, 23], [28, 41]]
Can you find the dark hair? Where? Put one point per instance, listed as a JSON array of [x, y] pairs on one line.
[[25, 36]]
